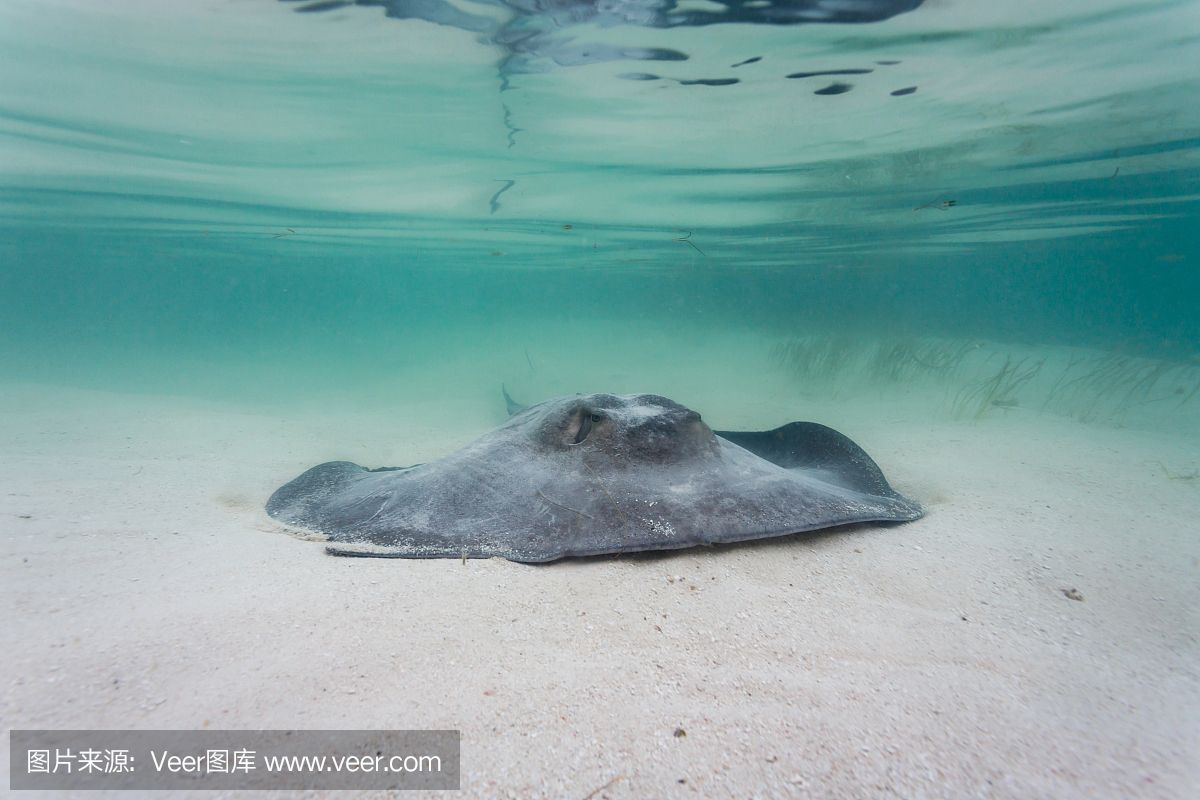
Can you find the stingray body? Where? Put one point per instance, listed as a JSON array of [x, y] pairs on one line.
[[592, 474]]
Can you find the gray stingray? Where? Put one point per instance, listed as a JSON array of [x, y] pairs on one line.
[[591, 474]]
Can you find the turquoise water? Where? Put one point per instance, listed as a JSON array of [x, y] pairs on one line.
[[267, 197], [240, 238]]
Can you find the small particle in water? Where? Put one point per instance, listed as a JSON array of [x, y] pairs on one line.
[[638, 76], [24, 516], [904, 91], [568, 227], [887, 63], [835, 88], [680, 733], [754, 60], [284, 233], [497, 252], [1073, 594]]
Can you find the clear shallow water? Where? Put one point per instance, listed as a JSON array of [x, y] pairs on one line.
[[237, 192], [349, 229]]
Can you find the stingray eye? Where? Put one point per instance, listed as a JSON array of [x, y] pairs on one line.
[[596, 417]]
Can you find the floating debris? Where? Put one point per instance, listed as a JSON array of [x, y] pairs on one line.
[[600, 789], [940, 205], [494, 203], [688, 241]]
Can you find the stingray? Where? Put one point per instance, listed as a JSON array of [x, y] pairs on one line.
[[592, 474]]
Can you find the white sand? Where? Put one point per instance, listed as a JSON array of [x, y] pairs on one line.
[[145, 588]]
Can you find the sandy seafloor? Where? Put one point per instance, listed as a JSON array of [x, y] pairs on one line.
[[144, 587]]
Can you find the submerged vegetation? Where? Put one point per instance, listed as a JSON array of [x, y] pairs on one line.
[[979, 379], [996, 391], [828, 357], [1091, 385]]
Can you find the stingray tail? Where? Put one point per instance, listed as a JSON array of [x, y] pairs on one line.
[[512, 405]]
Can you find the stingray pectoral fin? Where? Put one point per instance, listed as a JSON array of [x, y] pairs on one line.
[[426, 544], [816, 447], [299, 498], [369, 550]]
